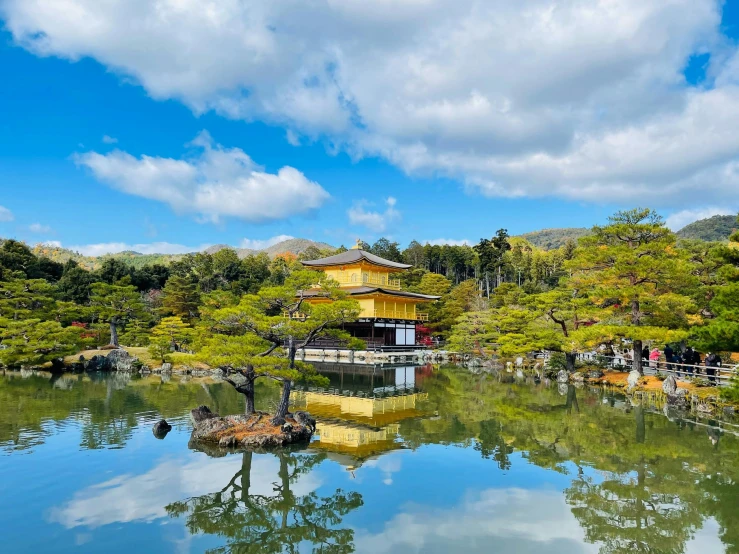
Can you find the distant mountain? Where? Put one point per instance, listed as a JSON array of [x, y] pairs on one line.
[[716, 228], [551, 239], [293, 246], [136, 259]]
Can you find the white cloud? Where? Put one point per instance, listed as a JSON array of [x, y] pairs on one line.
[[292, 138], [579, 99], [450, 242], [100, 249], [109, 140], [359, 214], [259, 244], [52, 243], [6, 214], [680, 219], [39, 228], [216, 182]]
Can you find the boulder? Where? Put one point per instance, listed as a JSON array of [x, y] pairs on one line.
[[633, 379], [254, 431], [161, 428], [57, 365], [304, 418], [166, 367], [578, 378], [563, 376], [678, 398], [97, 363], [201, 413], [669, 386], [121, 360], [595, 374]]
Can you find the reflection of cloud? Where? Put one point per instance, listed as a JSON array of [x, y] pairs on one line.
[[143, 497], [513, 520], [706, 539], [388, 464]]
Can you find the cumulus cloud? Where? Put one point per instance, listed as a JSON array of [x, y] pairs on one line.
[[450, 242], [109, 140], [52, 243], [579, 99], [6, 214], [39, 228], [215, 182], [259, 244], [680, 219], [361, 214]]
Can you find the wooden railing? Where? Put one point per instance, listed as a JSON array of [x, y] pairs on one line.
[[366, 279], [400, 314], [717, 375]]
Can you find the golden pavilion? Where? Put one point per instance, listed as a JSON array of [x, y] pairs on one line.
[[389, 315]]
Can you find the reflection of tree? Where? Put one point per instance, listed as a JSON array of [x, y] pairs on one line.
[[255, 523], [491, 444], [663, 478], [645, 512], [105, 406], [724, 506]]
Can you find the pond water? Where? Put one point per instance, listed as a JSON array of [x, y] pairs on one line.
[[408, 460]]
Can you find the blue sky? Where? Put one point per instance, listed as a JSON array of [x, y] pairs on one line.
[[238, 122]]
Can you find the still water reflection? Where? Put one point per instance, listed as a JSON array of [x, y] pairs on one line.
[[406, 460]]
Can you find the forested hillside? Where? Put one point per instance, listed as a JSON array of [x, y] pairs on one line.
[[551, 239], [716, 228]]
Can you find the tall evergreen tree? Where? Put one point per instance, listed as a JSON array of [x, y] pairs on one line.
[[118, 305], [632, 270]]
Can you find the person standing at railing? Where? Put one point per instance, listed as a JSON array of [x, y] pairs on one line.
[[678, 360], [696, 360], [654, 358], [713, 362], [669, 356], [689, 359]]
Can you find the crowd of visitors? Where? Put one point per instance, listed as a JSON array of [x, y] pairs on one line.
[[684, 361]]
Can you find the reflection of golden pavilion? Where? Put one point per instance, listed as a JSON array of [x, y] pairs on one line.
[[359, 427]]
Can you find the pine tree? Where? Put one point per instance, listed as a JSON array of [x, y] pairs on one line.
[[180, 298], [116, 304], [261, 335], [721, 334], [170, 334], [632, 271], [32, 342]]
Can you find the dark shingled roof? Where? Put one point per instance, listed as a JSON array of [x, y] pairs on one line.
[[356, 291], [354, 256]]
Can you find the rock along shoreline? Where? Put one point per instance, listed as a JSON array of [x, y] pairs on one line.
[[258, 430]]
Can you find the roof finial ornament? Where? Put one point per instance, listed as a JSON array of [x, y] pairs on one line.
[[357, 246]]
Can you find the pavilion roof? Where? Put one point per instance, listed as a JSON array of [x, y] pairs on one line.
[[354, 256], [358, 291]]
